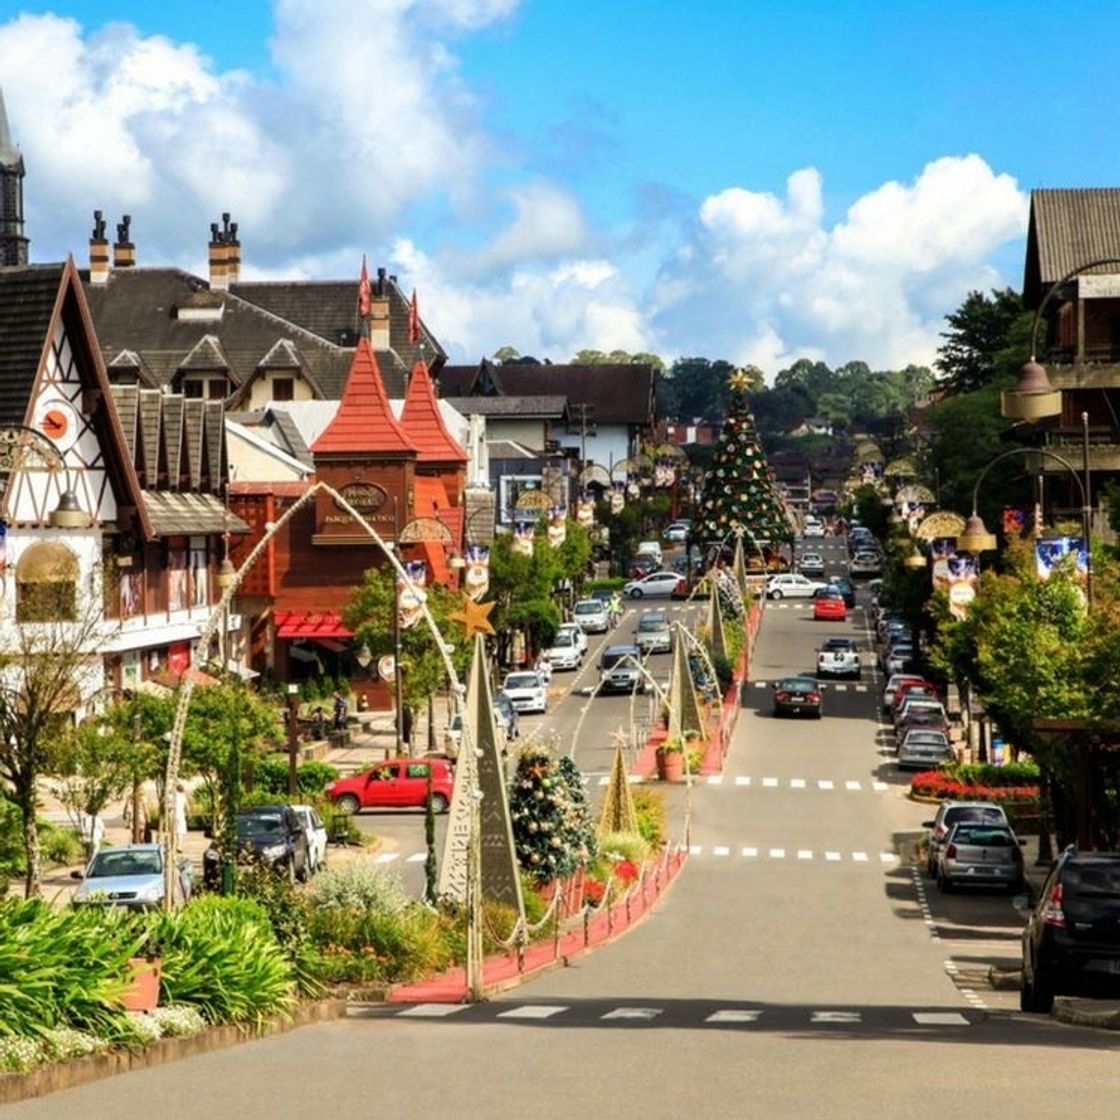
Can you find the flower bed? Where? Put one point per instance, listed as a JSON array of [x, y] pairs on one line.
[[940, 785]]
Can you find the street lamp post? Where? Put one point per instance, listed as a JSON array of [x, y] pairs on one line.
[[293, 739]]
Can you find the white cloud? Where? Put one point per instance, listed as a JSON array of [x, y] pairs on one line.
[[547, 223]]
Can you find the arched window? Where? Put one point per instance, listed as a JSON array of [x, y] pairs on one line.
[[47, 584]]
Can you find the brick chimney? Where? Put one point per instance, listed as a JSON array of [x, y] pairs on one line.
[[233, 251], [379, 322], [219, 257], [124, 251], [98, 251]]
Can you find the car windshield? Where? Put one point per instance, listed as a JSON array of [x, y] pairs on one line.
[[973, 813], [652, 625], [108, 865], [835, 644], [797, 684], [982, 836], [614, 656], [259, 825], [588, 606], [563, 638], [523, 680]]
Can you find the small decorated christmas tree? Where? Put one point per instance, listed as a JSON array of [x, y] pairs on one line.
[[552, 828], [738, 490]]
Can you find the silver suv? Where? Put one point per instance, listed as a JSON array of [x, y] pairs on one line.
[[653, 634], [620, 669], [592, 616]]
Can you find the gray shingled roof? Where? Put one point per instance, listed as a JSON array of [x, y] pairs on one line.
[[509, 406], [615, 394], [1069, 228], [27, 298]]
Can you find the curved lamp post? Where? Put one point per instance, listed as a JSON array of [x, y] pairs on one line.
[[976, 537]]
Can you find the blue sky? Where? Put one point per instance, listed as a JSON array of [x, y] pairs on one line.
[[751, 181]]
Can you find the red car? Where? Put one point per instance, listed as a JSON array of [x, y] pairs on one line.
[[830, 607], [399, 784]]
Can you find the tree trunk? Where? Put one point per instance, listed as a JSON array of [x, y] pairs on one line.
[[33, 882]]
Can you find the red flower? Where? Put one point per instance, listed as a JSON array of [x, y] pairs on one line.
[[626, 870], [593, 891]]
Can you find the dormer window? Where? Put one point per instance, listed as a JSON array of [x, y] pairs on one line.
[[214, 388]]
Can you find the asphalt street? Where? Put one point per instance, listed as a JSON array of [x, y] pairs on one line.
[[800, 966]]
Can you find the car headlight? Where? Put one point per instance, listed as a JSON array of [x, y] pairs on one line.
[[150, 893], [274, 851]]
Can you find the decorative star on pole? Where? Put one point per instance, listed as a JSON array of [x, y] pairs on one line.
[[475, 617], [740, 380]]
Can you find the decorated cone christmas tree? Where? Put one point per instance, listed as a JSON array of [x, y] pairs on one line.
[[738, 491], [739, 568], [683, 691], [717, 636], [618, 814]]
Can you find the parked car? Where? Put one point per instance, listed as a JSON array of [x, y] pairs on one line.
[[792, 585], [526, 690], [846, 588], [653, 634], [653, 585], [564, 653], [131, 877], [620, 669], [591, 616], [641, 565], [912, 688], [316, 835], [980, 855], [399, 783], [950, 813], [915, 706], [927, 718], [811, 564], [576, 632], [676, 532], [506, 714], [797, 696], [924, 749], [651, 549], [892, 686], [1071, 942], [829, 605], [838, 657], [608, 597], [866, 563], [899, 658], [270, 834]]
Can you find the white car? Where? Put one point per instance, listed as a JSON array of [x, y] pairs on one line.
[[792, 585], [526, 691], [866, 563], [811, 564], [838, 657], [676, 532], [656, 583], [564, 653], [653, 633], [316, 836], [592, 616], [576, 632], [813, 529]]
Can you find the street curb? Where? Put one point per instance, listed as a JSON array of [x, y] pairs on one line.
[[80, 1071], [1075, 1015]]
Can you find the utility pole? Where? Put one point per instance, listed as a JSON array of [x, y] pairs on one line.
[[582, 409]]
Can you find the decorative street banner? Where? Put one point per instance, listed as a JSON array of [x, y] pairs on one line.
[[585, 511], [1061, 552], [964, 574], [618, 498], [523, 538], [1014, 522], [913, 512], [411, 594], [557, 526], [870, 473], [633, 486], [476, 575], [942, 550], [664, 473]]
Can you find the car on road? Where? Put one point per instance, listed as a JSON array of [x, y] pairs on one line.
[[924, 749], [797, 696], [676, 532], [130, 877], [1071, 942], [845, 587], [950, 813], [270, 834], [813, 529], [898, 658], [811, 564], [792, 585], [838, 657], [506, 714], [653, 634], [656, 584], [980, 855], [641, 565], [399, 783], [894, 682], [576, 632], [592, 616], [565, 653], [866, 563], [620, 669], [526, 690], [829, 605], [316, 835]]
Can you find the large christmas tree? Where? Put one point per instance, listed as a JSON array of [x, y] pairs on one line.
[[738, 490]]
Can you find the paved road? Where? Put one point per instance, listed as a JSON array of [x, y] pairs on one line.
[[798, 968]]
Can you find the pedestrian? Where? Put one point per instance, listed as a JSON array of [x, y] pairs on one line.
[[179, 817], [339, 712], [544, 667]]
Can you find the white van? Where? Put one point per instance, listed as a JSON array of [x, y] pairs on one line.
[[651, 548]]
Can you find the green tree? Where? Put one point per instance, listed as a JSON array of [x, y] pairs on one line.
[[978, 332], [505, 354]]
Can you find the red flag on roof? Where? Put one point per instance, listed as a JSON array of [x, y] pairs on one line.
[[413, 320], [363, 290]]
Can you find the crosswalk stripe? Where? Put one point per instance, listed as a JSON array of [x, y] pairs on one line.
[[633, 1013], [433, 1010], [416, 857], [532, 1011], [386, 857], [733, 1016], [797, 783], [940, 1019], [835, 1017]]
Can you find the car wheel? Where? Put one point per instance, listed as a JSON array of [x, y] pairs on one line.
[[291, 869], [636, 593], [1036, 995], [439, 803], [775, 594], [348, 803], [304, 873]]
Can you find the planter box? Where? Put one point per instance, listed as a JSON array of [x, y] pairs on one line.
[[143, 995]]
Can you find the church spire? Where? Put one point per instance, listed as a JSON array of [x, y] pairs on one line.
[[13, 245]]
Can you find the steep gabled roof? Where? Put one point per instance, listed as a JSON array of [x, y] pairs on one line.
[[1069, 228], [423, 423], [364, 422], [27, 302]]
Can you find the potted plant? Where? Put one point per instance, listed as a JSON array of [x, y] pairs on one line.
[[670, 759]]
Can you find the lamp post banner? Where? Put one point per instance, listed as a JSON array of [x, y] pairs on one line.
[[557, 526], [523, 538], [963, 578], [410, 593], [476, 575], [1061, 552], [941, 550]]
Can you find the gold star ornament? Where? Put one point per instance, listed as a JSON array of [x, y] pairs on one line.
[[740, 380], [475, 617]]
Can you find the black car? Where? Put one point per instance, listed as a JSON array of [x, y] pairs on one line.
[[271, 834], [620, 669], [797, 696], [1071, 943], [847, 589]]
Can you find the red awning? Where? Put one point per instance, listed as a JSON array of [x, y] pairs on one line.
[[310, 624]]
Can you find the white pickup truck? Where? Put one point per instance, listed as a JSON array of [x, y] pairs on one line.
[[838, 657]]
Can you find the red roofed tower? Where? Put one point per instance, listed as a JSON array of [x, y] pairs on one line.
[[365, 454], [441, 468]]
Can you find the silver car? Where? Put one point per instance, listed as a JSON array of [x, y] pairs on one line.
[[922, 749], [130, 876], [950, 813], [980, 855]]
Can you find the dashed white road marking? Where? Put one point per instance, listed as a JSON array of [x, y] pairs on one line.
[[797, 783], [645, 1013], [749, 853], [777, 853], [721, 850], [940, 1019], [832, 857], [836, 1017], [852, 786], [770, 783], [386, 857], [733, 1016], [433, 1010], [804, 853], [532, 1011], [742, 780]]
